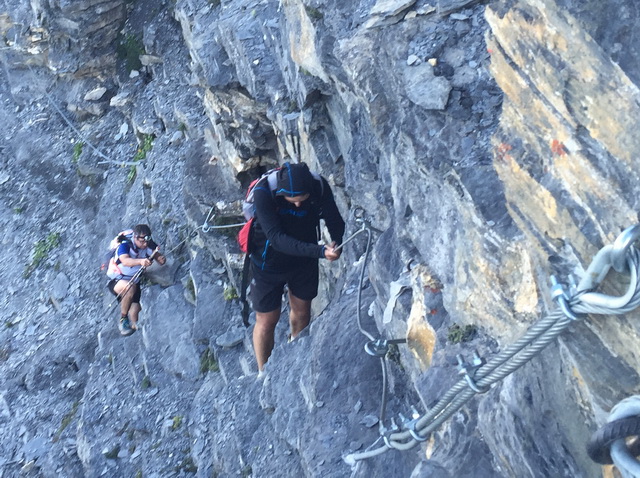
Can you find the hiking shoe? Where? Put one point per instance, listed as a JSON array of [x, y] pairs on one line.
[[125, 326]]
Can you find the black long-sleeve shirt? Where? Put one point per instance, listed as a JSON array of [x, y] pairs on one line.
[[284, 234]]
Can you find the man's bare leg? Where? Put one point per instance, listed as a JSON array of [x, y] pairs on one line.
[[134, 310], [263, 335], [299, 314], [125, 299]]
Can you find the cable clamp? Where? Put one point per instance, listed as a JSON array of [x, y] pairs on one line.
[[469, 371], [410, 425], [385, 432], [560, 297]]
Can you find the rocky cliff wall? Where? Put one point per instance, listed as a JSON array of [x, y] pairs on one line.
[[487, 145]]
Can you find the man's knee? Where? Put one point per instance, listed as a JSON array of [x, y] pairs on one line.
[[268, 320], [299, 307]]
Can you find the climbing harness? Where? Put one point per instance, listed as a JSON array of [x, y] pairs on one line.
[[608, 446], [574, 303]]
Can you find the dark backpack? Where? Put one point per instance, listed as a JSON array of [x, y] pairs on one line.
[[246, 233], [248, 208]]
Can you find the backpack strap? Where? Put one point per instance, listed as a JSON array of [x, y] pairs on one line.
[[272, 179], [318, 178], [246, 271]]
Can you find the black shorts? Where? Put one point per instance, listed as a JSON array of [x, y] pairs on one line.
[[267, 287], [136, 295]]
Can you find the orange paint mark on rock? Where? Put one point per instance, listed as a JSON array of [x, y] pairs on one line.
[[558, 148]]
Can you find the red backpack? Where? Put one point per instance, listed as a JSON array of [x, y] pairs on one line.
[[248, 208]]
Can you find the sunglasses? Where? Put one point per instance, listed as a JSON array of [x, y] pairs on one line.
[[144, 238]]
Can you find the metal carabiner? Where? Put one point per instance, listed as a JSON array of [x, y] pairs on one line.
[[621, 247]]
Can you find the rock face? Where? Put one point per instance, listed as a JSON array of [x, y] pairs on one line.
[[486, 145]]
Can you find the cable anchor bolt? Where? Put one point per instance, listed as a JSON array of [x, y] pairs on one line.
[[410, 425], [358, 216], [560, 297], [469, 371], [380, 347], [210, 216]]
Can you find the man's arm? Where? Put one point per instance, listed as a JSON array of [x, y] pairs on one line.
[[161, 259], [128, 261], [154, 253], [123, 257]]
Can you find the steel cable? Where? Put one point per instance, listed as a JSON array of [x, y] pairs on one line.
[[536, 338]]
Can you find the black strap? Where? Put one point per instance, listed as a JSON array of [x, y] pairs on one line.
[[246, 272]]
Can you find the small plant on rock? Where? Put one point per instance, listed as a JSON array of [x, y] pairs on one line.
[[66, 421], [41, 252], [230, 293], [77, 152], [129, 50], [458, 334], [177, 422], [147, 145], [208, 362], [113, 453], [314, 13]]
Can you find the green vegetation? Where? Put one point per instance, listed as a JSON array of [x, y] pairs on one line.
[[177, 422], [129, 50], [458, 334], [191, 288], [66, 420], [139, 474], [230, 293], [208, 362], [77, 152], [394, 355], [113, 453], [314, 13], [18, 209], [41, 252], [147, 145], [146, 382]]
